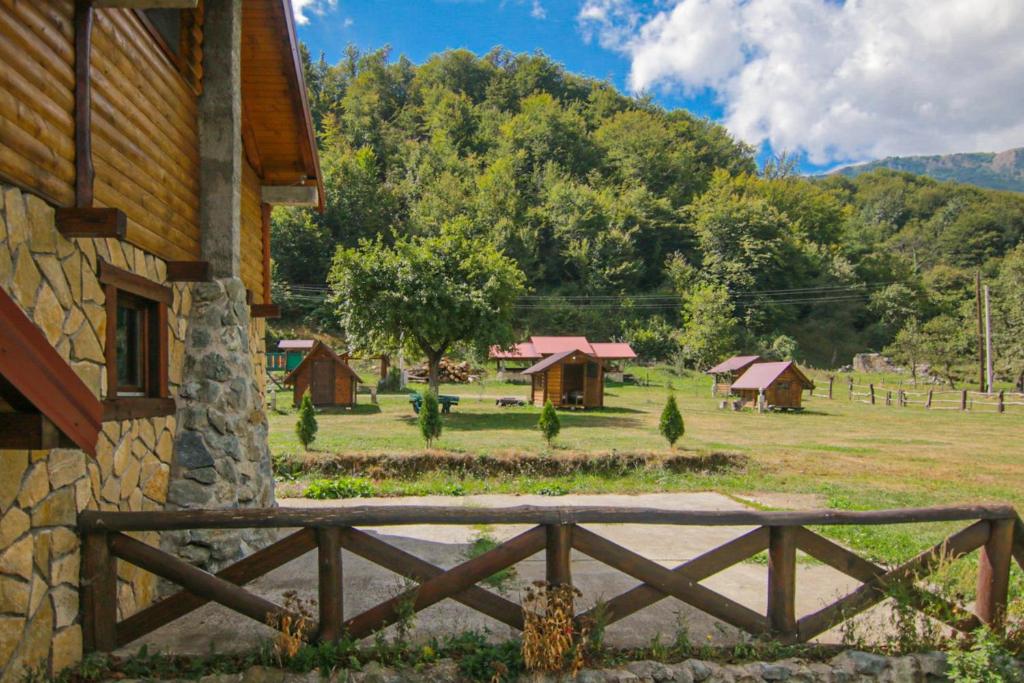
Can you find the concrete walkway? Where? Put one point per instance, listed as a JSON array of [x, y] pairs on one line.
[[216, 628]]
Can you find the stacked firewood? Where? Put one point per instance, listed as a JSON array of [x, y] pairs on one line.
[[449, 372]]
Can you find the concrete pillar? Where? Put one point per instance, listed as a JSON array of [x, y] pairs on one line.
[[220, 138]]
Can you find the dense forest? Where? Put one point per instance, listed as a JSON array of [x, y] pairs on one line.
[[632, 221]]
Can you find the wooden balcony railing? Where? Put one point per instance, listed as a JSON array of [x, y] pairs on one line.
[[996, 531]]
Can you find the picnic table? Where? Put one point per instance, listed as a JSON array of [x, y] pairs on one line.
[[507, 401], [446, 402]]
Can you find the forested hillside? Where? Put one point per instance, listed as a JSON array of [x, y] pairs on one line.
[[1002, 171], [631, 221]]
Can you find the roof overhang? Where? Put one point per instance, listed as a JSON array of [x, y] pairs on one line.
[[278, 132], [45, 380]]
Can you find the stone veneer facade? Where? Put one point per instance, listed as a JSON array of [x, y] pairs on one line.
[[41, 492]]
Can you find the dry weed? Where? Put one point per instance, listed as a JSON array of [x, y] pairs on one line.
[[292, 625], [551, 641]]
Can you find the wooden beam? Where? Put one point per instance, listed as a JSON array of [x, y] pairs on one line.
[[290, 195], [85, 173], [782, 582], [331, 594], [92, 222], [146, 4], [29, 431], [408, 565], [240, 573], [127, 281], [265, 311], [137, 408], [197, 581], [189, 271], [33, 367], [265, 216], [994, 573], [450, 583], [558, 554], [99, 594], [373, 515]]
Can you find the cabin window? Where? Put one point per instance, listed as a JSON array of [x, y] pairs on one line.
[[166, 23], [136, 342], [592, 370], [783, 386], [134, 349]]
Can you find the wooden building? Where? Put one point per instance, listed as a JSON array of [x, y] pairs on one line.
[[289, 354], [726, 372], [142, 146], [328, 377], [568, 370], [769, 386]]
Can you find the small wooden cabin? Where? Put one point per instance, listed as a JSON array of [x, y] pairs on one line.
[[328, 377], [772, 385], [571, 379], [726, 372]]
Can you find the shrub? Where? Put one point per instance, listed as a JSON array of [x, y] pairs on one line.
[[306, 427], [671, 424], [392, 383], [347, 487], [548, 422], [653, 341], [430, 418]]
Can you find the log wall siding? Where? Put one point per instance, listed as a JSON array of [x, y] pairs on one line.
[[252, 234], [554, 378], [144, 122]]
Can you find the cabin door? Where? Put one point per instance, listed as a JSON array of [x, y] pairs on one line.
[[322, 384]]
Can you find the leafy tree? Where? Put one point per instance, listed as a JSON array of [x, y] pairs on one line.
[[783, 347], [306, 427], [671, 424], [548, 422], [653, 340], [429, 418], [908, 347], [711, 331], [1008, 303], [946, 344], [427, 292]]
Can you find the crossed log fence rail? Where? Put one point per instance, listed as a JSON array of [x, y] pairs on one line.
[[928, 398], [996, 531]]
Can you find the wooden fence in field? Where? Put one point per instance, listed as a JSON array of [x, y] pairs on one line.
[[925, 397], [996, 531]]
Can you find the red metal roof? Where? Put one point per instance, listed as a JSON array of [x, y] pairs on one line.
[[524, 350], [538, 347], [546, 345], [553, 360], [761, 375], [293, 344], [733, 364], [613, 350]]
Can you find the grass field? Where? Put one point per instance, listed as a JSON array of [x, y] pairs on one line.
[[850, 453]]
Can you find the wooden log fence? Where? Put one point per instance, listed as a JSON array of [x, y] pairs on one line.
[[934, 399], [997, 532]]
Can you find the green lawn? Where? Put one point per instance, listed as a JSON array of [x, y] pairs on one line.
[[855, 455]]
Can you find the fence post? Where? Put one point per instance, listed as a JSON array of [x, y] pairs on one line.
[[888, 397], [1001, 406], [849, 386], [871, 388], [331, 593], [963, 399], [99, 595], [928, 403], [831, 379], [782, 581], [558, 554], [994, 573]]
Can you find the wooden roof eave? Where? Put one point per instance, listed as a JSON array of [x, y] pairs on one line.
[[44, 378]]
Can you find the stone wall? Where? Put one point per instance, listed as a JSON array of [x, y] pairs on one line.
[[221, 454], [55, 282]]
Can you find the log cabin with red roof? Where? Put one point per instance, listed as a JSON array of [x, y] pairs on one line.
[[327, 376], [726, 372], [142, 146], [569, 371], [772, 386]]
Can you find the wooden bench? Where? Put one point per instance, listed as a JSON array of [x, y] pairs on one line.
[[446, 402]]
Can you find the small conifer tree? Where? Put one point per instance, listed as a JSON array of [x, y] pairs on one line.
[[430, 417], [548, 423], [671, 425], [306, 427]]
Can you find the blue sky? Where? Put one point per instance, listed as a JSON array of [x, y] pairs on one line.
[[829, 81]]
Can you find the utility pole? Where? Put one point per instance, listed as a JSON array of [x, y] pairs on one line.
[[981, 338], [988, 340]]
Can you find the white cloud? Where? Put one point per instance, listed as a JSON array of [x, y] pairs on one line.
[[537, 10], [860, 79], [301, 9]]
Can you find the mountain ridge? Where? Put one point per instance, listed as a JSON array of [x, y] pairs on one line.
[[992, 170]]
